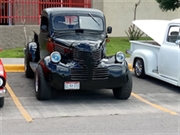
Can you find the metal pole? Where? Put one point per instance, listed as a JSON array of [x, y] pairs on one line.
[[9, 13]]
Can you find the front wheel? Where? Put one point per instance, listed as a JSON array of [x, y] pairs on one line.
[[42, 89], [1, 101], [139, 68], [125, 91]]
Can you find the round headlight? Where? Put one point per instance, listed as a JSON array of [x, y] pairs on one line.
[[1, 82], [55, 57], [120, 57]]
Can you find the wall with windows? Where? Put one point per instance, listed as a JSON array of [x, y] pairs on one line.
[[15, 12], [18, 11], [119, 15]]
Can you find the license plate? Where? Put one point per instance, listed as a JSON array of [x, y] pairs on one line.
[[72, 85]]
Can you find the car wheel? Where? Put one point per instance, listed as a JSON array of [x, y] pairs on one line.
[[42, 89], [139, 68], [1, 101], [125, 91], [28, 71]]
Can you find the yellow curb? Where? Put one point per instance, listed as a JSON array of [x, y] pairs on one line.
[[14, 67], [20, 67], [130, 67]]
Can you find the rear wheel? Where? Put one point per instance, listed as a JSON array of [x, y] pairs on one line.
[[42, 89], [1, 101], [28, 71], [139, 68], [125, 91]]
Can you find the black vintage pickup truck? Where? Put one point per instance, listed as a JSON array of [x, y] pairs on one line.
[[69, 53]]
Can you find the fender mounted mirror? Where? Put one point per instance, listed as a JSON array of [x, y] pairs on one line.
[[109, 29]]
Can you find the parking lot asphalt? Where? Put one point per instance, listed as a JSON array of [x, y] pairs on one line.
[[152, 101], [154, 107]]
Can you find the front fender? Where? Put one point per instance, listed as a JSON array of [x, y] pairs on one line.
[[2, 70], [149, 58], [65, 69], [3, 77], [51, 67]]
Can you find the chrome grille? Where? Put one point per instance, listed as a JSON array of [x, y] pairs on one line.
[[79, 74], [100, 74], [82, 55], [82, 74]]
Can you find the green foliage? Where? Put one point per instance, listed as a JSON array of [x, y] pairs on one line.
[[134, 33], [166, 5], [117, 44], [12, 53]]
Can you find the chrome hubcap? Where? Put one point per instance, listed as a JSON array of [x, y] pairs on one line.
[[36, 83], [138, 68]]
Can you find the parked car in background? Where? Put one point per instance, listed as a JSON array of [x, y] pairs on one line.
[[2, 83], [159, 58], [69, 53]]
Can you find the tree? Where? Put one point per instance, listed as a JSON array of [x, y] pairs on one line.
[[166, 5], [134, 33]]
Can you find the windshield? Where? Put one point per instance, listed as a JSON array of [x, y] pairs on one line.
[[77, 22]]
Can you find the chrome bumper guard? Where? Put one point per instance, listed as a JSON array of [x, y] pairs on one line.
[[2, 92]]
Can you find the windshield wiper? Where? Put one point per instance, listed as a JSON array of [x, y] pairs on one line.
[[94, 19]]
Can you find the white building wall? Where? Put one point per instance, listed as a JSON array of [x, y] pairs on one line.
[[120, 13]]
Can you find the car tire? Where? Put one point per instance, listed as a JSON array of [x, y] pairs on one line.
[[42, 89], [125, 91], [28, 71], [1, 101], [139, 70]]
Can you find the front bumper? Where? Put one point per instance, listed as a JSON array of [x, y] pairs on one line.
[[2, 92], [106, 75], [113, 82]]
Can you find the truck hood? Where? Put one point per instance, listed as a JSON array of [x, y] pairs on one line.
[[153, 28], [94, 41]]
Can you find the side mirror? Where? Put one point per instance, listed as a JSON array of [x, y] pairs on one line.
[[109, 29], [44, 28]]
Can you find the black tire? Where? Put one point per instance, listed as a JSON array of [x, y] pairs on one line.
[[1, 101], [125, 91], [139, 68], [42, 89], [28, 71]]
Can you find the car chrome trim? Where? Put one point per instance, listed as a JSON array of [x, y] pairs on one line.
[[2, 92]]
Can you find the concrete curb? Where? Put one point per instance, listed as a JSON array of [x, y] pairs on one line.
[[20, 67], [14, 67]]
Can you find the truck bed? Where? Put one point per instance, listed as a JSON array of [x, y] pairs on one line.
[[150, 44]]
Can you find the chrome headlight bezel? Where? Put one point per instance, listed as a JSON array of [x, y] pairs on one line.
[[55, 57], [120, 57], [2, 81]]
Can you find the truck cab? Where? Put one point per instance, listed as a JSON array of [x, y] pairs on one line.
[[158, 58], [69, 53]]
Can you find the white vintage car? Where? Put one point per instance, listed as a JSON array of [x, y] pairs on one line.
[[159, 58]]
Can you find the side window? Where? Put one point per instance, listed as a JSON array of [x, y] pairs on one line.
[[44, 24], [173, 34]]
